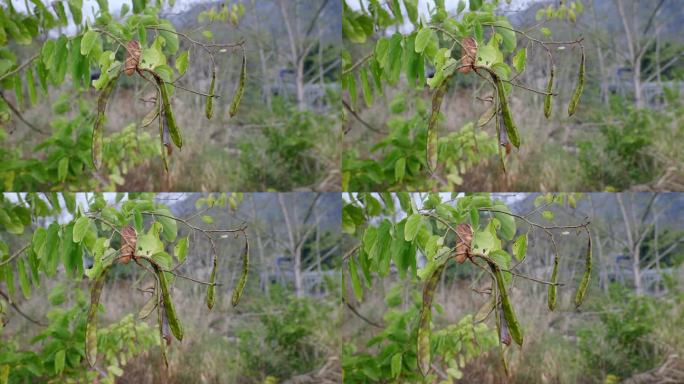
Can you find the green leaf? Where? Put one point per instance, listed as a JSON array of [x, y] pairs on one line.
[[413, 225], [505, 29], [474, 218], [488, 55], [31, 85], [23, 279], [520, 247], [88, 41], [62, 169], [76, 6], [399, 169], [181, 249], [475, 5], [356, 282], [149, 244], [508, 227], [422, 39], [520, 59], [80, 228], [182, 62], [501, 258], [395, 365], [548, 215], [59, 361], [169, 225]]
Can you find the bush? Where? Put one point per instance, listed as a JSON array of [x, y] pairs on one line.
[[285, 340], [631, 336]]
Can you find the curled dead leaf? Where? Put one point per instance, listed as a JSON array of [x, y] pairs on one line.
[[129, 238], [132, 57], [464, 237], [468, 54]]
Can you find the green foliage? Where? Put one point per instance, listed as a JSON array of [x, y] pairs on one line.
[[58, 352], [456, 43], [112, 45], [106, 235], [399, 161], [285, 156], [632, 335], [65, 162], [629, 151], [430, 231], [285, 343], [391, 356]]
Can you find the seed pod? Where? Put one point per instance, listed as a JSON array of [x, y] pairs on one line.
[[237, 292], [161, 315], [241, 87], [423, 340], [168, 113], [498, 318], [209, 109], [431, 150], [572, 107], [487, 116], [463, 240], [165, 145], [504, 334], [132, 57], [503, 139], [506, 307], [98, 127], [549, 89], [468, 54], [149, 306], [91, 324], [582, 289], [174, 322], [211, 299], [165, 334], [553, 287], [129, 239], [511, 129], [484, 311]]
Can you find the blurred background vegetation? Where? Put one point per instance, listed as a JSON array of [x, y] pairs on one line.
[[626, 331], [624, 135]]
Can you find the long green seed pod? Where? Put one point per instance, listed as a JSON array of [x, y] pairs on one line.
[[582, 289], [553, 287], [210, 290], [168, 113], [572, 107], [241, 87], [237, 292], [174, 322], [431, 149], [91, 324], [511, 129], [498, 319], [549, 89], [209, 109], [423, 340], [98, 128], [506, 307], [163, 337], [163, 133]]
